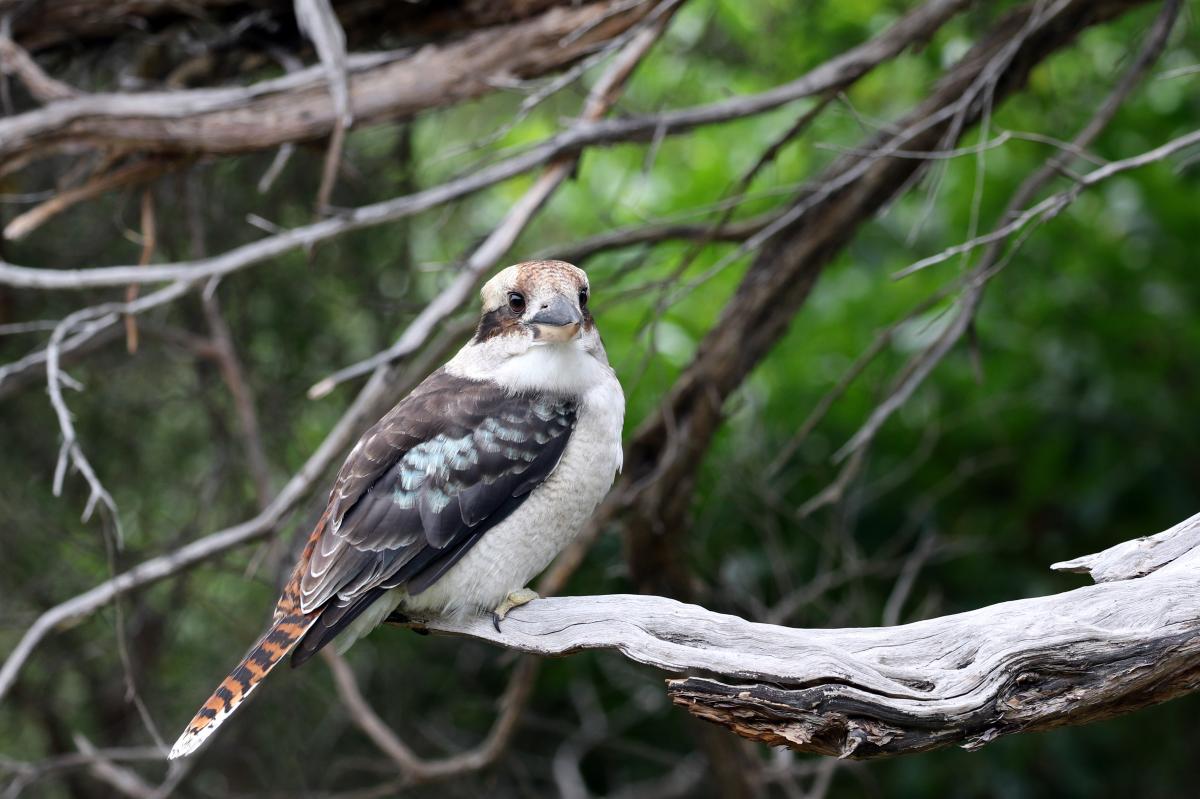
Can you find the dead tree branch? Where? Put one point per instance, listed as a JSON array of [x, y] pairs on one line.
[[299, 106], [832, 74], [14, 59], [1067, 659]]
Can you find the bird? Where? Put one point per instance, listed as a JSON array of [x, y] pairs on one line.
[[463, 492]]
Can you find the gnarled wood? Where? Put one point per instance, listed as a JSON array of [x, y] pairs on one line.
[[964, 680]]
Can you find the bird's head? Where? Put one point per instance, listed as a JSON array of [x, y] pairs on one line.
[[536, 330], [537, 303]]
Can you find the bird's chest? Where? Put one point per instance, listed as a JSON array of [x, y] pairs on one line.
[[510, 554]]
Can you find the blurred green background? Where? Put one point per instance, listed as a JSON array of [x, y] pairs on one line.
[[1066, 425]]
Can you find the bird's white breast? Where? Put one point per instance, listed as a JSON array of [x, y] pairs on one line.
[[509, 555]]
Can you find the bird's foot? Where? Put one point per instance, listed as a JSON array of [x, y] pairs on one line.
[[514, 600]]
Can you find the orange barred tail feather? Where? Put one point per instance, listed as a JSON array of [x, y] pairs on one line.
[[283, 636], [288, 626]]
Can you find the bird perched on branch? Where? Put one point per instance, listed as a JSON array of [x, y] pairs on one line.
[[464, 491]]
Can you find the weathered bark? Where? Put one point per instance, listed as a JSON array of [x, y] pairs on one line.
[[963, 680], [299, 106], [666, 451]]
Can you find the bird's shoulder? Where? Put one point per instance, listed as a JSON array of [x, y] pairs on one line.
[[450, 433], [451, 460]]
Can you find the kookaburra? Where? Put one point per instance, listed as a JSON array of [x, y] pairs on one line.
[[464, 491]]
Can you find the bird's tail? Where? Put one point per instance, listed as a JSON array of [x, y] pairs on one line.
[[283, 635], [288, 626]]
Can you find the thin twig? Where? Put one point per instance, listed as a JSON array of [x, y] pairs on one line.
[[70, 451], [922, 365], [654, 233], [149, 243], [137, 172], [318, 22]]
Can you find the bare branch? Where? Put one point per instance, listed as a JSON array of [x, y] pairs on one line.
[[239, 390], [70, 450], [579, 251], [961, 680], [116, 777], [320, 24], [833, 73], [137, 172], [414, 768], [14, 60], [1054, 204], [149, 244], [27, 773], [990, 264], [298, 106]]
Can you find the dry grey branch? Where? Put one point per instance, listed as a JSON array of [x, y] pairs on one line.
[[829, 75], [960, 680], [299, 106]]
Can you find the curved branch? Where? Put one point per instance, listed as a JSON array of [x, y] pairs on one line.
[[412, 767], [963, 680]]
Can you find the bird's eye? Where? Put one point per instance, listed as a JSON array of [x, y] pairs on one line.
[[516, 302], [583, 297]]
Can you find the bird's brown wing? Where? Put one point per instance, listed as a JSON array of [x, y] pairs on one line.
[[448, 463]]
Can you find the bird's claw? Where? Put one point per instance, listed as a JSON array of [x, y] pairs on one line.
[[513, 600]]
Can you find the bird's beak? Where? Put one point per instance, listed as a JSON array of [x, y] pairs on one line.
[[558, 320]]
